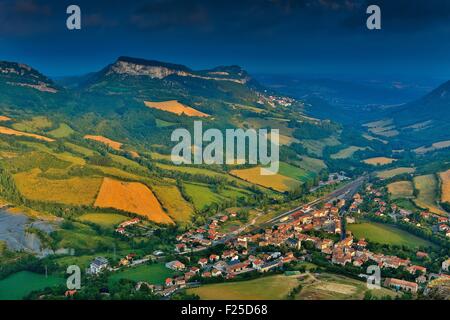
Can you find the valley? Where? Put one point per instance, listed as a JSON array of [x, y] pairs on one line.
[[92, 160]]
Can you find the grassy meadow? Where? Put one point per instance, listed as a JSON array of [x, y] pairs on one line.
[[386, 234]]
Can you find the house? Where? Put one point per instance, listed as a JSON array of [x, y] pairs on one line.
[[237, 267], [361, 244], [216, 273], [421, 255], [188, 275], [203, 262], [214, 257], [98, 265], [175, 265], [446, 265], [269, 266], [180, 247], [194, 269], [399, 284], [169, 282], [257, 264], [414, 269]]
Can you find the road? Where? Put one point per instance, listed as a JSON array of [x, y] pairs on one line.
[[345, 192]]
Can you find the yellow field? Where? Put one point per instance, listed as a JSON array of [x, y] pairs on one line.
[[434, 146], [401, 189], [176, 107], [12, 132], [73, 191], [445, 192], [428, 191], [111, 143], [276, 182], [132, 197], [5, 118], [379, 161], [386, 174], [171, 199]]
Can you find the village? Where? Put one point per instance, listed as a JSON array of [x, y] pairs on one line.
[[292, 240]]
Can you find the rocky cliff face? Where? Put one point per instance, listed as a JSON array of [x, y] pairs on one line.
[[160, 70], [17, 74]]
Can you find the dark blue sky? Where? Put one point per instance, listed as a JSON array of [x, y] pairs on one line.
[[263, 36]]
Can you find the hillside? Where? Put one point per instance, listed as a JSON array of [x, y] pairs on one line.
[[115, 125], [424, 121]]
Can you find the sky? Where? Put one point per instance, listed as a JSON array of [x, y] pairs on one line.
[[263, 36]]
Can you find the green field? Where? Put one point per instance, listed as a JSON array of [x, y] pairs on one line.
[[295, 172], [346, 153], [201, 195], [386, 234], [33, 125], [153, 274], [107, 220], [20, 284], [62, 131], [311, 164], [266, 288]]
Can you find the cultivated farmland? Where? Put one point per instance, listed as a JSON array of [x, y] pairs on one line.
[[445, 192], [386, 234], [176, 107], [401, 189], [346, 153], [12, 132], [379, 161], [266, 288], [427, 198], [73, 191], [110, 143], [386, 174], [276, 182], [132, 197]]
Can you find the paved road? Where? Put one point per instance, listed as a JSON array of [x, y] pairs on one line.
[[345, 192]]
